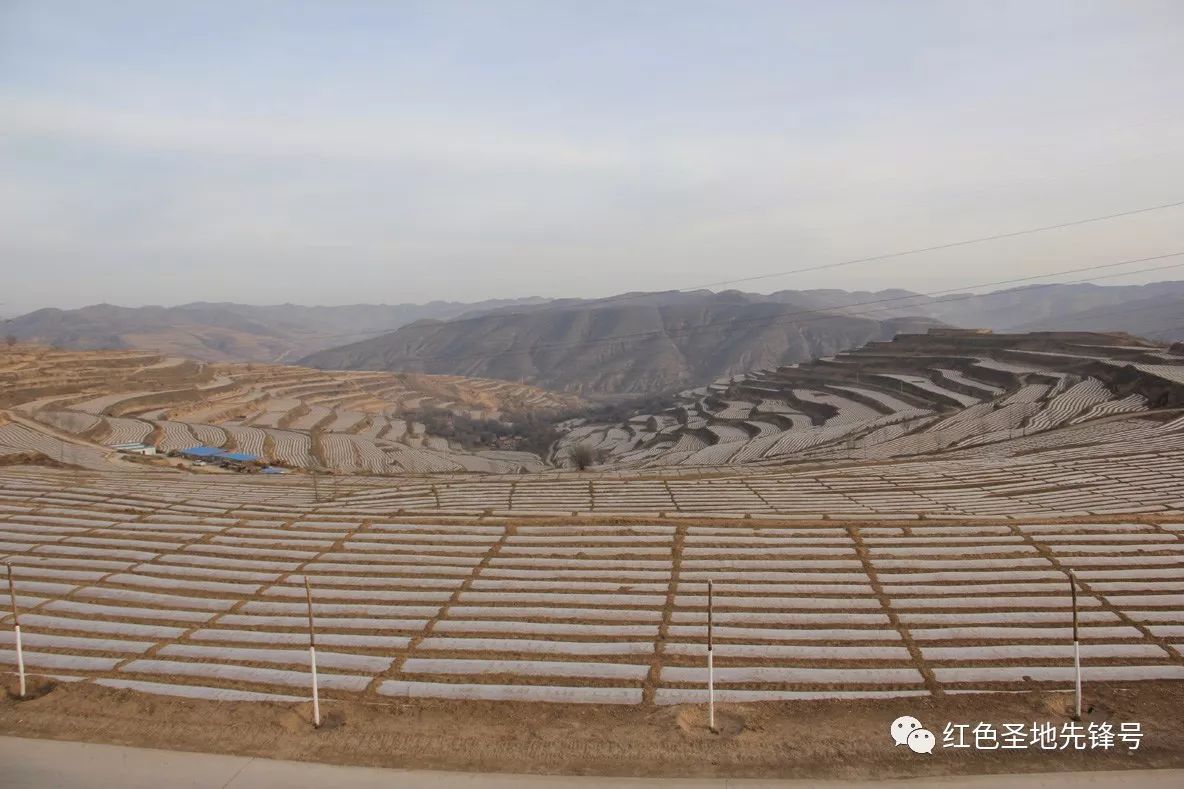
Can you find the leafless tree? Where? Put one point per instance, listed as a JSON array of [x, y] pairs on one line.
[[581, 456]]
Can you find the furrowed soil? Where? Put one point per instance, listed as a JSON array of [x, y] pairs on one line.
[[834, 739]]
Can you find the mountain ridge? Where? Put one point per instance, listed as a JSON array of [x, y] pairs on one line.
[[629, 343], [643, 342], [604, 349], [228, 331]]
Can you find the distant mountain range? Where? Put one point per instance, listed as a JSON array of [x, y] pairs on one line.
[[1159, 316], [1154, 311], [225, 331], [650, 342], [627, 344], [646, 343]]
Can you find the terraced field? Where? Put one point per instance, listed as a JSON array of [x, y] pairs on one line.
[[18, 438], [890, 523], [916, 395], [931, 576], [269, 411], [179, 590]]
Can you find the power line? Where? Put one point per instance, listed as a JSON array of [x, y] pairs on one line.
[[821, 314], [626, 297], [828, 313], [1145, 333], [1054, 284], [965, 296], [949, 245]]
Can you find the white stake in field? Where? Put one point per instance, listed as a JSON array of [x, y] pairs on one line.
[[710, 666], [1076, 650], [16, 626], [312, 658]]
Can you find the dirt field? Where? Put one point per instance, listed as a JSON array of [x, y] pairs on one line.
[[787, 740]]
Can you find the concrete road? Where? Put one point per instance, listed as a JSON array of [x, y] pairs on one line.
[[47, 764]]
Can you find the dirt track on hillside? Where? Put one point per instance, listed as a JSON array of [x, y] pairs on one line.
[[800, 739]]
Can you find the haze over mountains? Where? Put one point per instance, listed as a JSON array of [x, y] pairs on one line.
[[225, 331], [1158, 316], [639, 343], [1154, 311], [628, 344], [650, 343]]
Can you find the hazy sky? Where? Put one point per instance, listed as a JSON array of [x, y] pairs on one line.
[[338, 152]]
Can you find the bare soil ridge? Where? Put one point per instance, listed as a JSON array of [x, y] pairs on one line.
[[823, 740]]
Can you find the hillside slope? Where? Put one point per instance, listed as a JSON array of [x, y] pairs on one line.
[[1068, 307], [943, 391], [73, 406], [286, 332], [1157, 317], [227, 331], [642, 345]]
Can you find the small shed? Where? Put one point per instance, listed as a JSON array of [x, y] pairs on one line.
[[135, 448]]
